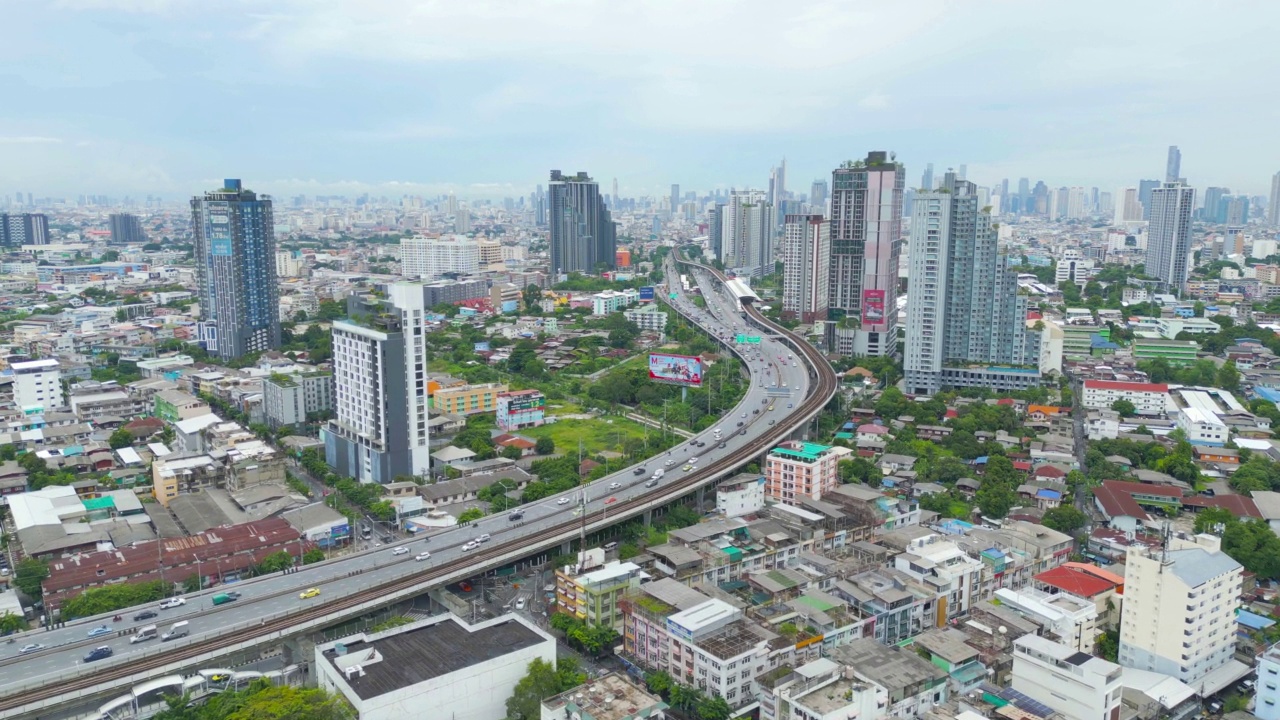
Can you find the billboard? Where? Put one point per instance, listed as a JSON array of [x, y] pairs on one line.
[[523, 403], [646, 294], [872, 307], [676, 369], [480, 346]]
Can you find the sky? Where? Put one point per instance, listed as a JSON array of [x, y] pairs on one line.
[[483, 98]]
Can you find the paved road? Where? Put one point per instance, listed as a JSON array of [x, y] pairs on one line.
[[776, 383]]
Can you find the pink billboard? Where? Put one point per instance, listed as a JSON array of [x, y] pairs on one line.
[[872, 307]]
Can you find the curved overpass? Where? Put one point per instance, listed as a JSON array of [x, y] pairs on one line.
[[357, 584]]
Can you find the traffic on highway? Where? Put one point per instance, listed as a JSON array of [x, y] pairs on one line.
[[778, 381]]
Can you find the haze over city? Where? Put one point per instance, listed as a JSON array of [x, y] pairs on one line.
[[383, 96]]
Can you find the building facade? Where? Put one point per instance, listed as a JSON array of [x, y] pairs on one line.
[[431, 258], [1075, 684], [1150, 399], [583, 235], [288, 399], [468, 399], [37, 385], [866, 240], [235, 249], [746, 233], [966, 321], [521, 409], [380, 388], [126, 229], [806, 252], [796, 470], [1169, 235], [18, 229]]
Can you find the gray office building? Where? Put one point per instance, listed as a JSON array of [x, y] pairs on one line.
[[583, 235], [1169, 235], [235, 255], [453, 291], [715, 228], [126, 229], [966, 322], [1144, 196], [18, 229]]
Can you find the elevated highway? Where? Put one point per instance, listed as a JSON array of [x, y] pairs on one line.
[[271, 610]]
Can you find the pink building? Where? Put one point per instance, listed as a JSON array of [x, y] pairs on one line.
[[796, 470]]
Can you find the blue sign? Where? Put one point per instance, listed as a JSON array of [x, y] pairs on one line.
[[481, 346], [220, 246], [646, 294]]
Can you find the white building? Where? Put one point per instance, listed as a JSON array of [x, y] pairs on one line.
[[1267, 695], [1202, 427], [1073, 683], [823, 690], [740, 495], [287, 399], [715, 650], [806, 254], [431, 258], [1073, 620], [1170, 328], [1075, 268], [611, 301], [458, 671], [1179, 612], [37, 385], [609, 697], [1148, 398], [648, 317], [941, 564], [747, 229]]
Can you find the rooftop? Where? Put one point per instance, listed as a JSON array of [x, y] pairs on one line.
[[611, 697]]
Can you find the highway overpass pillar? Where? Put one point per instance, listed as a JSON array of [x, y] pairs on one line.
[[299, 649], [699, 495]]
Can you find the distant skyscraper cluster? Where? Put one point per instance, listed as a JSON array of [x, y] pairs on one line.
[[235, 249], [583, 235]]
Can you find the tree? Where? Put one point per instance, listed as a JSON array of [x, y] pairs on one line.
[[30, 574], [1213, 520], [1126, 408], [659, 683], [1064, 518], [470, 515], [511, 452], [121, 438], [275, 562], [110, 598], [261, 701], [545, 446], [1228, 377], [995, 501], [314, 555], [11, 623], [542, 681], [1109, 645]]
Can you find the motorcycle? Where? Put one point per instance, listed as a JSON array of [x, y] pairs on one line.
[[117, 619]]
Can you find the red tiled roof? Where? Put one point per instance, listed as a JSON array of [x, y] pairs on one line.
[[1125, 386], [1237, 505], [1005, 401], [1116, 502], [1049, 471], [873, 429], [952, 413], [1095, 571], [1021, 464], [1074, 581], [1136, 487]]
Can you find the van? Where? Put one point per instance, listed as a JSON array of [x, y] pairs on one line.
[[659, 473], [147, 633], [224, 598], [177, 630], [609, 546]]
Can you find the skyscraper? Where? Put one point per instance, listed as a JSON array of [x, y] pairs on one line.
[[235, 251], [1169, 234], [806, 251], [1236, 210], [1144, 196], [746, 233], [963, 173], [778, 185], [1213, 210], [926, 180], [20, 229], [379, 428], [1173, 165], [126, 229], [583, 236], [1024, 196], [1273, 207], [431, 258], [866, 229], [715, 230], [963, 307], [675, 199], [818, 194], [1130, 209]]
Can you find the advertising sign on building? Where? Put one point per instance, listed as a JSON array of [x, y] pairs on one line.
[[873, 307], [676, 369]]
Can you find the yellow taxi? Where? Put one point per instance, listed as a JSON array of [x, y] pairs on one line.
[[309, 593]]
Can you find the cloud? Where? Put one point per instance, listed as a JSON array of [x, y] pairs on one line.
[[874, 101], [28, 140]]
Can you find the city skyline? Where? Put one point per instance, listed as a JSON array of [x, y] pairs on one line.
[[390, 98]]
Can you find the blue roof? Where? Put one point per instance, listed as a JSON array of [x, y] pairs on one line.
[[1254, 621], [1048, 494], [980, 460], [1267, 394]]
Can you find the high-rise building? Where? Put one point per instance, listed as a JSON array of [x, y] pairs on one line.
[[818, 195], [462, 221], [806, 252], [37, 385], [963, 172], [715, 229], [966, 322], [235, 256], [435, 257], [1273, 205], [778, 186], [1235, 210], [1178, 600], [380, 389], [1144, 196], [126, 229], [866, 229], [926, 180], [20, 229], [583, 236], [1024, 196], [675, 199], [1213, 210], [1173, 165], [1169, 234], [746, 233], [1130, 208]]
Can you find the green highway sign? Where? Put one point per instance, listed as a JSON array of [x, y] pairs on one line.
[[747, 339], [753, 339]]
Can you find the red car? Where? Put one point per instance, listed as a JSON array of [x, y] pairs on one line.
[[465, 586]]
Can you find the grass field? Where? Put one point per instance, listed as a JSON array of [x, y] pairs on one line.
[[604, 433]]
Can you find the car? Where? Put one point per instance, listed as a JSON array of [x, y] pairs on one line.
[[520, 604], [515, 515], [739, 423], [771, 422], [469, 546], [98, 653], [615, 485], [722, 446], [693, 461], [687, 468], [145, 615], [770, 408], [789, 406], [33, 647], [756, 411], [742, 431], [653, 482], [743, 415], [464, 586], [309, 593], [700, 444], [172, 603], [639, 471], [563, 501], [1247, 685], [482, 539], [402, 550], [424, 555]]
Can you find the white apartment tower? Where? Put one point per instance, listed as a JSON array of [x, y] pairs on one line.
[[37, 384], [1169, 234], [431, 258], [1129, 210], [746, 233], [380, 388], [1273, 207], [806, 251], [1076, 685], [1179, 610]]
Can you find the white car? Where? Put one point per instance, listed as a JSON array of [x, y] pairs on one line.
[[563, 501], [520, 604], [173, 603], [469, 546], [402, 550], [33, 647], [615, 486], [422, 556], [693, 461]]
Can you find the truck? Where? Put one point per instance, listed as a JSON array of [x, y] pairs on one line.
[[147, 633], [223, 598], [177, 630]]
